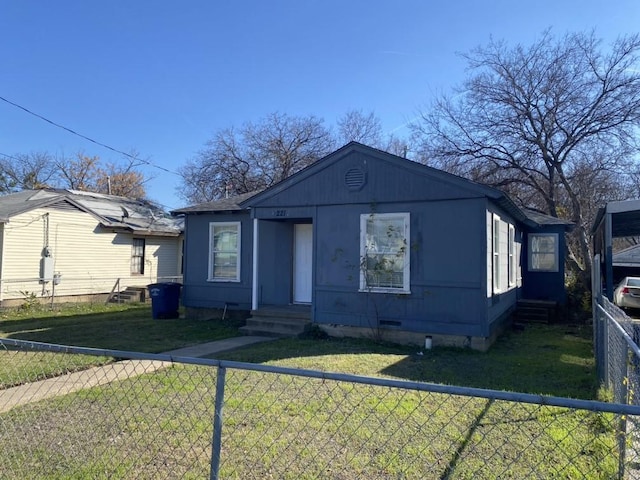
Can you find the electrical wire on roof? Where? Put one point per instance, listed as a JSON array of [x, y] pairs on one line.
[[128, 155]]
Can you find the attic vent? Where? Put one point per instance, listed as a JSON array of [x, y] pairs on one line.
[[355, 179]]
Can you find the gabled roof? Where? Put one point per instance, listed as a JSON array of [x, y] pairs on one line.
[[118, 213], [530, 218], [409, 165], [246, 201], [542, 219]]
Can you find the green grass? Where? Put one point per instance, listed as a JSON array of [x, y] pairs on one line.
[[552, 360], [117, 327], [128, 327], [275, 426]]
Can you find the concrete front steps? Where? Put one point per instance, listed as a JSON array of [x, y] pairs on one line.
[[278, 321]]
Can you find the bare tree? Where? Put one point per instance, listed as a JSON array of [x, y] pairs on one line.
[[254, 157], [358, 127], [27, 171], [124, 180], [91, 174], [78, 173], [546, 122]]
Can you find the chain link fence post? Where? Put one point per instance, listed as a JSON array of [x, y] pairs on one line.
[[216, 443]]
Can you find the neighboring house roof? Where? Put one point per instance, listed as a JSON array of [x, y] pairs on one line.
[[542, 219], [625, 218], [223, 205], [629, 257], [118, 213]]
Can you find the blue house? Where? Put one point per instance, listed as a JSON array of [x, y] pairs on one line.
[[365, 243]]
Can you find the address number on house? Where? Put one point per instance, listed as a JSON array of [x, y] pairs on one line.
[[279, 213]]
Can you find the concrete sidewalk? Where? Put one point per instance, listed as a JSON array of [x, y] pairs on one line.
[[122, 370]]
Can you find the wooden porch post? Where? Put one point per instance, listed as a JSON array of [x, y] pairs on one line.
[[254, 283]]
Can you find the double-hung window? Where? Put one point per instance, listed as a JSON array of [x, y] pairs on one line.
[[224, 251], [496, 253], [384, 253], [137, 256], [543, 252], [512, 256]]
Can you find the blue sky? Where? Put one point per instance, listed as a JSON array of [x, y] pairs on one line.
[[160, 77]]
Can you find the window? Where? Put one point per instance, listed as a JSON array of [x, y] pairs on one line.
[[512, 256], [543, 252], [224, 251], [137, 256], [384, 252]]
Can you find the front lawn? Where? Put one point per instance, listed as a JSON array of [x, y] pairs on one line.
[[277, 426], [128, 327], [554, 360]]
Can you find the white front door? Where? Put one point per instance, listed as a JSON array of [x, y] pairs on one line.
[[302, 262]]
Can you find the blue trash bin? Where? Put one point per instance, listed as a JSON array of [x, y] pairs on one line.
[[165, 299]]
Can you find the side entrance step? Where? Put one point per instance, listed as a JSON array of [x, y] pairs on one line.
[[286, 321], [129, 295], [536, 311]]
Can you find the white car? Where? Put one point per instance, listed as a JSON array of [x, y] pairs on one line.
[[627, 293]]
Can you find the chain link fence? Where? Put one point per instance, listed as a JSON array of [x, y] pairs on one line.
[[69, 412], [616, 339]]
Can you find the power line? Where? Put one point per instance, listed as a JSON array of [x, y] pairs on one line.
[[8, 156], [104, 145]]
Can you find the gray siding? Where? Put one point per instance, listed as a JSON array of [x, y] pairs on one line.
[[450, 246], [447, 269], [545, 285], [503, 301], [385, 182], [198, 291]]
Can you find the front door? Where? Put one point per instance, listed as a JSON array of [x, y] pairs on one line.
[[302, 262]]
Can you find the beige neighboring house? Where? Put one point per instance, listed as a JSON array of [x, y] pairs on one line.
[[68, 245]]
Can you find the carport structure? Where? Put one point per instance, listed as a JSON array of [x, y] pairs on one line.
[[616, 219]]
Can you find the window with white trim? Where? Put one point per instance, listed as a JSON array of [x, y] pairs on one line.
[[543, 252], [224, 251], [384, 253], [512, 256], [496, 253]]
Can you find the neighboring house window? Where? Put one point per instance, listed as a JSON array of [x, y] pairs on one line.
[[224, 251], [384, 252], [543, 252], [137, 256], [496, 253], [512, 255]]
